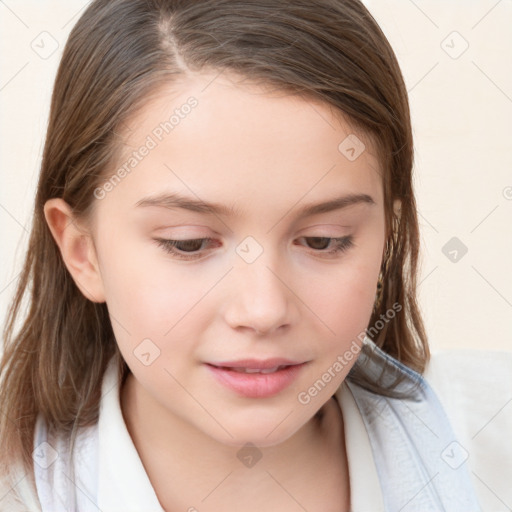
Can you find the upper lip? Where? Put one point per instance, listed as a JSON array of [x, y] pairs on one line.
[[255, 364]]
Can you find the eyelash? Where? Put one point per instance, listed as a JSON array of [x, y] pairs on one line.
[[342, 244]]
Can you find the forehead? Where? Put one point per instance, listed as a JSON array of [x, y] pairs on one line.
[[219, 134]]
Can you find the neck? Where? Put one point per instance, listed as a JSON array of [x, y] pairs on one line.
[[173, 450]]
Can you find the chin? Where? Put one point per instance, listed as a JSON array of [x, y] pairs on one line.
[[263, 432]]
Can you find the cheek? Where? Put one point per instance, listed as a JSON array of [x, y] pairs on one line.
[[150, 302], [148, 296], [343, 298], [347, 304]]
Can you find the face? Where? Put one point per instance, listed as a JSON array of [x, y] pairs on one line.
[[255, 275]]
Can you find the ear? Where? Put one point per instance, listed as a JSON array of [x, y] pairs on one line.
[[76, 247]]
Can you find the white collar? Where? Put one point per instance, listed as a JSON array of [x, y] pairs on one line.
[[106, 472], [365, 489], [124, 485]]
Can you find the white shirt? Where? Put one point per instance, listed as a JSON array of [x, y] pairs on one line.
[[402, 454]]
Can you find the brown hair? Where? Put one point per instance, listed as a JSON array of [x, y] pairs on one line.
[[121, 52]]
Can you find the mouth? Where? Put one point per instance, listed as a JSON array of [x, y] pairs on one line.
[[255, 379], [242, 369]]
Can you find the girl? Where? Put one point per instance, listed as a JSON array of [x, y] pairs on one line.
[[222, 276]]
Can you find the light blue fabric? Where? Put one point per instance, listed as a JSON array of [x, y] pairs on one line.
[[420, 464]]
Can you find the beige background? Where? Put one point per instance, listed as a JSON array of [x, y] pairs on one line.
[[456, 57]]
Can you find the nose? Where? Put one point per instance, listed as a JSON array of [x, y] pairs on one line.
[[260, 298]]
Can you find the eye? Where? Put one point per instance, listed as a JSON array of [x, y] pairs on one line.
[[184, 249], [320, 243]]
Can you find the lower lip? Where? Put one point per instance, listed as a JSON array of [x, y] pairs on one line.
[[257, 385]]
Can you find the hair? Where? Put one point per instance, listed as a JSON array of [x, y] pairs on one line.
[[118, 55]]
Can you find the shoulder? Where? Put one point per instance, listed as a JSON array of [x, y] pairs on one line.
[[61, 466], [475, 389]]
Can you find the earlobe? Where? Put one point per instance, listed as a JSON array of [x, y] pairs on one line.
[[76, 247]]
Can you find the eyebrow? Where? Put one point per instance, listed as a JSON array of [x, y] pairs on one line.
[[175, 200]]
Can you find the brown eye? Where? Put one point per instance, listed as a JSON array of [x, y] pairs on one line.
[[321, 243], [184, 249], [188, 245]]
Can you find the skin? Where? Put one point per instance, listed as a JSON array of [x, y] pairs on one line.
[[267, 154]]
